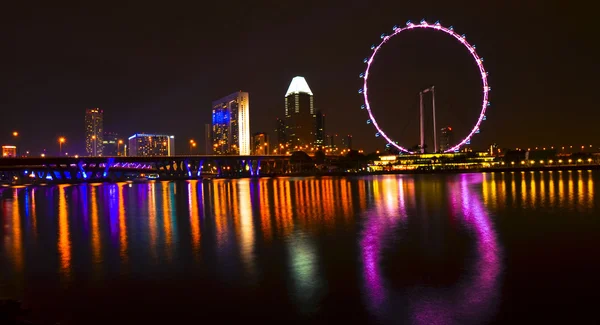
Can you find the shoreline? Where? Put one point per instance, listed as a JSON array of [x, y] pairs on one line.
[[336, 174]]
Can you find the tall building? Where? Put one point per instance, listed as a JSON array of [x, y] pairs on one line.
[[110, 144], [319, 129], [281, 135], [94, 134], [143, 144], [231, 125], [446, 138], [347, 142], [260, 144], [207, 139], [300, 114]]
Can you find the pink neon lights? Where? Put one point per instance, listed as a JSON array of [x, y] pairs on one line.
[[462, 40]]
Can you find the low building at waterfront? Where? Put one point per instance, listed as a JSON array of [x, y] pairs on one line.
[[430, 161], [9, 151], [147, 145]]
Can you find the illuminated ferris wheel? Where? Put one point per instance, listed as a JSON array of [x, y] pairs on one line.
[[450, 31]]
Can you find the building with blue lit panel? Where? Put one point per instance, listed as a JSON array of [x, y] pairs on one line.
[[231, 125]]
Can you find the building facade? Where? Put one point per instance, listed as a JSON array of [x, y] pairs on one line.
[[110, 144], [9, 151], [446, 138], [347, 142], [231, 125], [149, 145], [94, 131], [208, 150], [260, 144], [299, 115], [319, 129], [281, 137]]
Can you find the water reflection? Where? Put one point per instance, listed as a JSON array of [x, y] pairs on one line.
[[64, 238], [549, 189], [308, 242], [472, 299]]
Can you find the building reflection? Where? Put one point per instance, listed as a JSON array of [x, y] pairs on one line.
[[64, 237], [245, 226], [122, 226], [96, 244], [192, 187]]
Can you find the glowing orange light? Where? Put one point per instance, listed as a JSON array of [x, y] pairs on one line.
[[15, 134]]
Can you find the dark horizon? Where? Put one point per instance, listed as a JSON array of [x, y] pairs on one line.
[[157, 69]]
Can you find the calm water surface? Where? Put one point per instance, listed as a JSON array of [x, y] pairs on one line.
[[423, 249]]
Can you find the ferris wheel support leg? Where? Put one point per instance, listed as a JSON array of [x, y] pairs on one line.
[[421, 122], [435, 148]]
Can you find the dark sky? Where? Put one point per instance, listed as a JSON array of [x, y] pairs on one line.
[[156, 67]]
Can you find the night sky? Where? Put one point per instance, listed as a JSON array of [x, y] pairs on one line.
[[156, 67]]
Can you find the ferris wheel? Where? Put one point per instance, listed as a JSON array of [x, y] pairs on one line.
[[438, 27]]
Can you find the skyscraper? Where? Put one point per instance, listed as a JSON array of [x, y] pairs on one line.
[[281, 135], [300, 114], [94, 134], [231, 125], [147, 145], [319, 129], [347, 142], [446, 138]]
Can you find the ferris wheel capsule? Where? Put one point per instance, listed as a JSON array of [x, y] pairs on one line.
[[366, 60], [484, 118], [362, 75], [464, 36], [408, 23], [437, 22], [362, 106], [423, 21], [451, 28], [489, 104], [395, 27], [377, 135], [368, 121], [360, 91], [373, 47], [382, 35]]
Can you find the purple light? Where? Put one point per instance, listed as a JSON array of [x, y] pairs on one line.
[[469, 47]]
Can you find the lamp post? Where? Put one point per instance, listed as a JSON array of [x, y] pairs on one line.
[[61, 140], [15, 135], [119, 143], [192, 144]]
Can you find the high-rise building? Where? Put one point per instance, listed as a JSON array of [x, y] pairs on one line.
[[300, 114], [231, 125], [347, 142], [9, 151], [330, 142], [207, 139], [260, 144], [446, 138], [110, 144], [143, 144], [281, 135], [94, 134], [319, 129]]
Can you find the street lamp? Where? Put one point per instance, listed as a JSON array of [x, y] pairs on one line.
[[119, 143], [192, 144], [61, 140]]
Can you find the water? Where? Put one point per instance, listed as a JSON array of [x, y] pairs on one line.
[[412, 249]]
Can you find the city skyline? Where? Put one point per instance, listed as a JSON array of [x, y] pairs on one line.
[[539, 91]]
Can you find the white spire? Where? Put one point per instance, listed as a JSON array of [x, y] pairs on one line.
[[298, 86]]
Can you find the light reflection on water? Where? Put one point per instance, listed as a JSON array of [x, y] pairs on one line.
[[301, 239]]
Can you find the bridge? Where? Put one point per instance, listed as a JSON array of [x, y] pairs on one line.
[[78, 169]]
